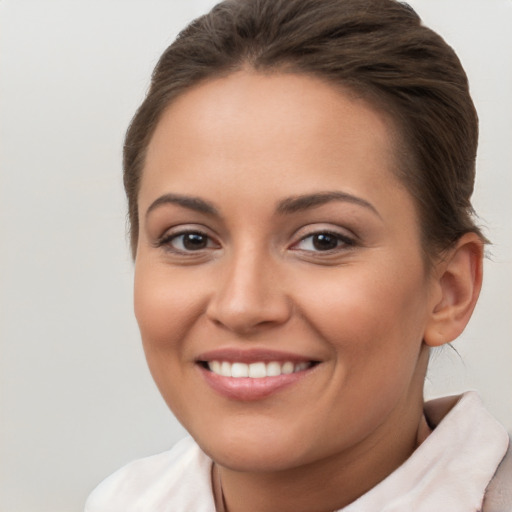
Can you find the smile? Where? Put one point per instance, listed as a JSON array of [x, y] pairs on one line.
[[257, 370], [248, 375]]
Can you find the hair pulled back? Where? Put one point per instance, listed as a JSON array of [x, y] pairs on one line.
[[376, 48]]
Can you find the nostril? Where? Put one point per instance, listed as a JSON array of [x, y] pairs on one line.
[[246, 297]]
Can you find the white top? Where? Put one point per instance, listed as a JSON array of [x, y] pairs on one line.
[[448, 472]]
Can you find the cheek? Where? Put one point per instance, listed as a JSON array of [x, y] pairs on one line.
[[368, 310], [373, 322], [166, 307]]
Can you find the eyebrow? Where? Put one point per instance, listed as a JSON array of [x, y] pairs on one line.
[[307, 201], [287, 206], [192, 203]]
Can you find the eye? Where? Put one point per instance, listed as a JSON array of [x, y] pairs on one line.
[[323, 241], [188, 241]]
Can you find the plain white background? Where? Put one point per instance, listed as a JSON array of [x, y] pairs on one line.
[[76, 398]]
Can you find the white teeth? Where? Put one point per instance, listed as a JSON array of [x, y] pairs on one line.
[[301, 366], [239, 370], [257, 370], [287, 368], [225, 369], [273, 369], [215, 366]]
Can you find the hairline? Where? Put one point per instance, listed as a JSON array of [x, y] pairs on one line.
[[375, 98]]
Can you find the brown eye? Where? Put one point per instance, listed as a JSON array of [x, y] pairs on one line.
[[187, 241], [194, 241], [324, 241]]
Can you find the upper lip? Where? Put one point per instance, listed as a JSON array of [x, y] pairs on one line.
[[254, 355]]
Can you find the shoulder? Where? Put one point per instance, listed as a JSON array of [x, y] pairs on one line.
[[483, 446], [498, 495], [175, 480]]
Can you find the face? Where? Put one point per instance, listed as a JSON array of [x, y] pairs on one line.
[[280, 288]]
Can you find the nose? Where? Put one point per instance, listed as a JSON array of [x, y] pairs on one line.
[[249, 295]]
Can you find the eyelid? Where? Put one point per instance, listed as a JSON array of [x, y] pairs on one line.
[[164, 241], [347, 241]]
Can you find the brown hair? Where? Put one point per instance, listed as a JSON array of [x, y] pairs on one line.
[[377, 48]]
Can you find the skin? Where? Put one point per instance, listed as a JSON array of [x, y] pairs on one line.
[[366, 310]]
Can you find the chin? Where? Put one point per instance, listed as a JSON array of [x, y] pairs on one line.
[[255, 457], [262, 447]]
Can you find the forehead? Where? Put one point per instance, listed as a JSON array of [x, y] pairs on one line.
[[272, 101], [262, 121]]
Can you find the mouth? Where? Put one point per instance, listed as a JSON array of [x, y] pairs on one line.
[[253, 375], [257, 370]]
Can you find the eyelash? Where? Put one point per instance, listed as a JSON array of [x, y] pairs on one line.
[[343, 242], [167, 240]]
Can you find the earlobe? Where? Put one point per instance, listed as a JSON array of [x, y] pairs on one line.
[[458, 279]]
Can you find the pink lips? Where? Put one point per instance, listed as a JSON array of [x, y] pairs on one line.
[[247, 388], [250, 356]]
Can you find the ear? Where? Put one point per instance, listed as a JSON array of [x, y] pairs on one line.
[[457, 283]]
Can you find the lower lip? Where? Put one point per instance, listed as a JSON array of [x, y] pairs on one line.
[[250, 389]]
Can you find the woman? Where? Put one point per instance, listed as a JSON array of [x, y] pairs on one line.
[[299, 180]]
